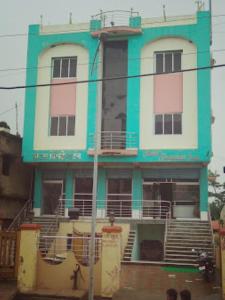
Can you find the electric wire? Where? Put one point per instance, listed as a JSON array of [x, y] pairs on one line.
[[109, 78], [99, 62]]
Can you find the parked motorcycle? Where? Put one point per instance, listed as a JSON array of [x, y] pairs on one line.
[[205, 265]]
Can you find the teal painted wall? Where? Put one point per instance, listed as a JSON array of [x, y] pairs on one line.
[[194, 33], [204, 189], [137, 189], [69, 188], [38, 188], [101, 190]]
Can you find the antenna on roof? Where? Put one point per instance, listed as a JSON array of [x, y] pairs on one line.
[[164, 12], [70, 18], [16, 107]]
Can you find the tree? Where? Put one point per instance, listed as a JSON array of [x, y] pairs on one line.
[[217, 194]]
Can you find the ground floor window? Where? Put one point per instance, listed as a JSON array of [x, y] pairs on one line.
[[119, 197], [179, 196], [83, 195]]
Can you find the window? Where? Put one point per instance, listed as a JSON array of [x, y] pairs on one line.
[[168, 93], [168, 124], [63, 97], [64, 67], [168, 61], [62, 125]]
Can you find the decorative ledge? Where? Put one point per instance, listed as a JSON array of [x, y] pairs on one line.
[[30, 227], [114, 152], [117, 31], [112, 229]]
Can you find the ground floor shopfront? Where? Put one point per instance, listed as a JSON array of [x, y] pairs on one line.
[[130, 192]]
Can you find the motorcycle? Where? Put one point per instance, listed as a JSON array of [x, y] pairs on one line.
[[205, 265]]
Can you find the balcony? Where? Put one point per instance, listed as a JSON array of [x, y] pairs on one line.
[[115, 143], [116, 23]]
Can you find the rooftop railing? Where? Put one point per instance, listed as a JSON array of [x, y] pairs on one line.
[[115, 17]]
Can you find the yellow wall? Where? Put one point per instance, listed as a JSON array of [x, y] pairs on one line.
[[36, 273], [28, 260], [111, 264], [85, 226], [58, 277]]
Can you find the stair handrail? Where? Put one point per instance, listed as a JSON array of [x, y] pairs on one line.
[[56, 219], [21, 216], [211, 228], [168, 217]]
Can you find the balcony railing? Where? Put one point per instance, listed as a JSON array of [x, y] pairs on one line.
[[114, 140], [156, 209], [115, 17]]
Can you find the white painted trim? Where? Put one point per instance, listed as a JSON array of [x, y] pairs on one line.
[[136, 214], [101, 213], [37, 212], [66, 212], [204, 216]]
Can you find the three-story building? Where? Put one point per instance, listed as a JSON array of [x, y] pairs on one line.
[[154, 116]]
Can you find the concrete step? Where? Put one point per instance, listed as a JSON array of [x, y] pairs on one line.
[[189, 247]]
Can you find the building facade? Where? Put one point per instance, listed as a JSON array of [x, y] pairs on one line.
[[154, 116], [15, 177]]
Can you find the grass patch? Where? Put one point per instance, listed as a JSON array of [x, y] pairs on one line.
[[180, 269]]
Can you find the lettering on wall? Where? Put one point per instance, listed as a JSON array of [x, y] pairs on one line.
[[165, 157], [59, 156]]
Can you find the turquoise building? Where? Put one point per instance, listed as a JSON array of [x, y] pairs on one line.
[[155, 117]]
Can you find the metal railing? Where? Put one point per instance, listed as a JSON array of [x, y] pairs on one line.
[[115, 17], [211, 228], [21, 216], [122, 208], [168, 219], [116, 140], [55, 249]]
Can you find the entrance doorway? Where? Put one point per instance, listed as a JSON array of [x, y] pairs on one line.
[[157, 199], [52, 191]]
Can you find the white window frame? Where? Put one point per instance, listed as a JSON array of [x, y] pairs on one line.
[[60, 71], [67, 121], [164, 60], [163, 121]]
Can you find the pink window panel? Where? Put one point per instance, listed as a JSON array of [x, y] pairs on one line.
[[63, 98], [168, 93]]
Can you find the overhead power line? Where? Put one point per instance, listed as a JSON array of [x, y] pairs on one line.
[[96, 63], [108, 78]]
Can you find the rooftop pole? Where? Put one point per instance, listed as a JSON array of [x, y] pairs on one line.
[[210, 10]]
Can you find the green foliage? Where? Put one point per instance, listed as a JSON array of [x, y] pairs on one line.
[[217, 195]]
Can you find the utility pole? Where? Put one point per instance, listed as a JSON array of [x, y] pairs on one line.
[[16, 108], [97, 142]]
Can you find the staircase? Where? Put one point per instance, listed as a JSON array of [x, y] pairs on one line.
[[129, 247], [182, 237], [49, 227]]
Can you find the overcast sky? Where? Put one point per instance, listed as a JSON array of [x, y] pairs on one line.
[[16, 15]]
